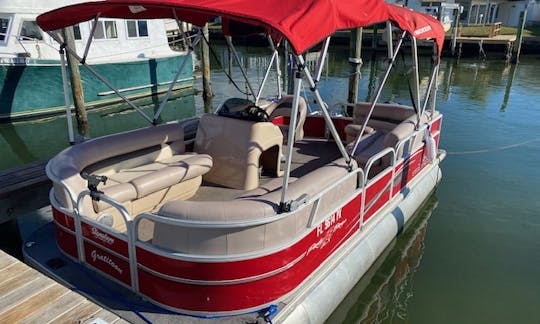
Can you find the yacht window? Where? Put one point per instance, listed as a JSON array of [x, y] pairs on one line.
[[4, 26], [137, 28], [105, 30], [30, 31], [77, 32]]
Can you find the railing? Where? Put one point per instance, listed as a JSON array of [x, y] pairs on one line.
[[494, 29]]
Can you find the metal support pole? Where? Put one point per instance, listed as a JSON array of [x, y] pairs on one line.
[[416, 99], [429, 89], [324, 109], [290, 141], [90, 37], [274, 55], [355, 60], [101, 78], [322, 59], [389, 45], [175, 79], [66, 97], [278, 66], [237, 58], [378, 92]]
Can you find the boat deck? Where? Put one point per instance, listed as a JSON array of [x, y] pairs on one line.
[[308, 155], [27, 296]]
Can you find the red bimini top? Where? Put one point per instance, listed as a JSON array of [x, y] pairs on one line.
[[303, 23]]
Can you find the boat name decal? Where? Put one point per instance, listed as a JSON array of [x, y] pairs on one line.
[[422, 30], [102, 236], [323, 241], [328, 222], [13, 60], [106, 259]]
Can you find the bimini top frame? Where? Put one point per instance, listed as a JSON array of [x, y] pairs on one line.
[[303, 23]]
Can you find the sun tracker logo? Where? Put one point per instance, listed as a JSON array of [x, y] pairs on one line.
[[422, 30]]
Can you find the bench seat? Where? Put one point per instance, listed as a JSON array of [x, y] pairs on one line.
[[135, 183]]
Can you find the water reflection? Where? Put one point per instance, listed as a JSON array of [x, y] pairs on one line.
[[383, 293], [27, 141]]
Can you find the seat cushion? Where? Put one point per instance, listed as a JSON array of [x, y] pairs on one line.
[[121, 192], [174, 170]]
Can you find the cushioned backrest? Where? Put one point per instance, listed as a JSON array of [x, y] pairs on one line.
[[236, 147], [395, 113], [283, 108], [68, 164]]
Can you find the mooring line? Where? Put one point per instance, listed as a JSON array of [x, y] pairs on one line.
[[494, 149]]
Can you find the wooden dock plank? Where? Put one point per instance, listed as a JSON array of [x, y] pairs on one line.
[[63, 304], [19, 293], [36, 302], [27, 296], [80, 314], [105, 315], [6, 261], [14, 270], [19, 280]]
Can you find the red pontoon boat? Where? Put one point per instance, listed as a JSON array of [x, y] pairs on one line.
[[249, 212]]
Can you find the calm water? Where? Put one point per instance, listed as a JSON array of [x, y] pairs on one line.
[[473, 253]]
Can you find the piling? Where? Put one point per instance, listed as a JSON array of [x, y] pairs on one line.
[[355, 60], [205, 59], [455, 28], [76, 86], [517, 49]]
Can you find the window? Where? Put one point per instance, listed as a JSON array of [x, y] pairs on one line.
[[77, 32], [4, 26], [106, 30], [137, 28], [30, 31]]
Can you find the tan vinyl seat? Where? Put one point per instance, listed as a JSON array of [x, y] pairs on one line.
[[239, 148], [283, 108], [385, 117], [145, 168]]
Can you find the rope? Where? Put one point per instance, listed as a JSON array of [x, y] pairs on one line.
[[494, 149]]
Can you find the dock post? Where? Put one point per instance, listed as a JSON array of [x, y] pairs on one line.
[[375, 39], [207, 83], [355, 60], [76, 86], [455, 31], [519, 38]]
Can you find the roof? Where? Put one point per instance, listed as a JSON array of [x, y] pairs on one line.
[[303, 23]]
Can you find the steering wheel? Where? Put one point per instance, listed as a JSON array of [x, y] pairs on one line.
[[257, 114]]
